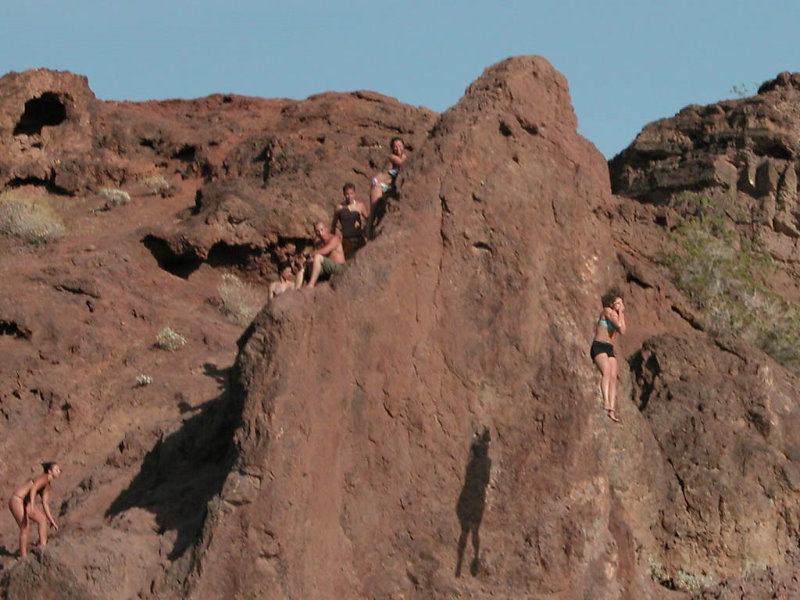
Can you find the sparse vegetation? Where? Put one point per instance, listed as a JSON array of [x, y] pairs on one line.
[[742, 90], [170, 340], [723, 273], [239, 302], [143, 380], [114, 197], [29, 217], [157, 186], [690, 582]]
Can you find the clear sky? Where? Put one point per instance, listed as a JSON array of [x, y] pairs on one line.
[[627, 63]]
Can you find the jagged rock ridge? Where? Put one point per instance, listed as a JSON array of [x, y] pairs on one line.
[[426, 426]]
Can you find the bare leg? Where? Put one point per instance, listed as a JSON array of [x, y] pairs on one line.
[[601, 360], [17, 509], [298, 280], [316, 269], [608, 370], [612, 389], [41, 522]]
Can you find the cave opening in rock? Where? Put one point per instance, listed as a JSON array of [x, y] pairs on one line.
[[46, 110]]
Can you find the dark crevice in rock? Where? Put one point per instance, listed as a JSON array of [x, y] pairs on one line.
[[226, 255], [187, 153], [46, 110], [14, 329], [180, 265], [689, 318], [48, 184], [246, 260], [645, 371]]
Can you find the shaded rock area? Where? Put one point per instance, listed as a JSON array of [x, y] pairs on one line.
[[427, 425]]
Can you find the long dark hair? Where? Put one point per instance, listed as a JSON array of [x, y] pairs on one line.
[[48, 466]]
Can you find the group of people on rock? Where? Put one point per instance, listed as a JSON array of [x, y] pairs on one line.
[[353, 224]]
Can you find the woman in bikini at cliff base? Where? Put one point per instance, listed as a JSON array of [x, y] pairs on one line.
[[23, 506], [609, 325]]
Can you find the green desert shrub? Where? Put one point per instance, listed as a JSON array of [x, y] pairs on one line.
[[29, 217], [170, 340], [239, 302], [723, 273]]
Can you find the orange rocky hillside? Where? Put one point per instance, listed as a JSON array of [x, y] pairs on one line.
[[429, 423]]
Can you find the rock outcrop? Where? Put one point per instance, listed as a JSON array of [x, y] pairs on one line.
[[743, 153], [428, 425]]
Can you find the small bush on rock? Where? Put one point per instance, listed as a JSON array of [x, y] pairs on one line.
[[170, 340], [157, 186], [143, 380], [29, 217], [114, 197], [239, 302]]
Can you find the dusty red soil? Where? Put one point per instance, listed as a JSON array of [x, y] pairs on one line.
[[428, 425]]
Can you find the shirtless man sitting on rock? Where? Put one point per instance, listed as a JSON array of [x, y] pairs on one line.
[[327, 259], [351, 215]]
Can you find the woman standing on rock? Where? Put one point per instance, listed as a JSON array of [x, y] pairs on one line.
[[383, 181], [23, 506], [610, 323]]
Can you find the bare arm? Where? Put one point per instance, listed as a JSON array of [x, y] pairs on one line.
[[330, 245], [617, 318], [335, 219], [396, 160], [46, 506]]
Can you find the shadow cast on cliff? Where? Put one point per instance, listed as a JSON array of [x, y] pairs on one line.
[[472, 500], [186, 468]]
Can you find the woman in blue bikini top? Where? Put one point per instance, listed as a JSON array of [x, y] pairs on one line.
[[609, 325]]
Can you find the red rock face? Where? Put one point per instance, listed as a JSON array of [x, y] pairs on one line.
[[429, 424]]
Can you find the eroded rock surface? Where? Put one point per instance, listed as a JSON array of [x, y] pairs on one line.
[[428, 425]]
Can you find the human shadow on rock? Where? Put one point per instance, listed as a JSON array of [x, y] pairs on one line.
[[185, 469], [472, 500]]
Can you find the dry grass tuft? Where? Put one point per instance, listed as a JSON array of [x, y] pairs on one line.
[[239, 302], [29, 217]]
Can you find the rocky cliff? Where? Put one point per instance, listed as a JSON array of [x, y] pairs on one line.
[[429, 424]]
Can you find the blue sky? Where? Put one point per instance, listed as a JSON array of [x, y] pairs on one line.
[[627, 63]]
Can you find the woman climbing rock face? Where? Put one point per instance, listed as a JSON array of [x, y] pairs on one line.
[[610, 324], [23, 506]]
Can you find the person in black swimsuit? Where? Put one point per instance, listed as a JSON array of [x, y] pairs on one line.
[[351, 216], [610, 323]]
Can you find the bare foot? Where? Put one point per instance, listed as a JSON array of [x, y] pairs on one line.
[[612, 414]]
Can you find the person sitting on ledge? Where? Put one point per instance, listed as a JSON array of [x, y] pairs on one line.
[[384, 180], [351, 215], [23, 506], [327, 259], [286, 280]]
